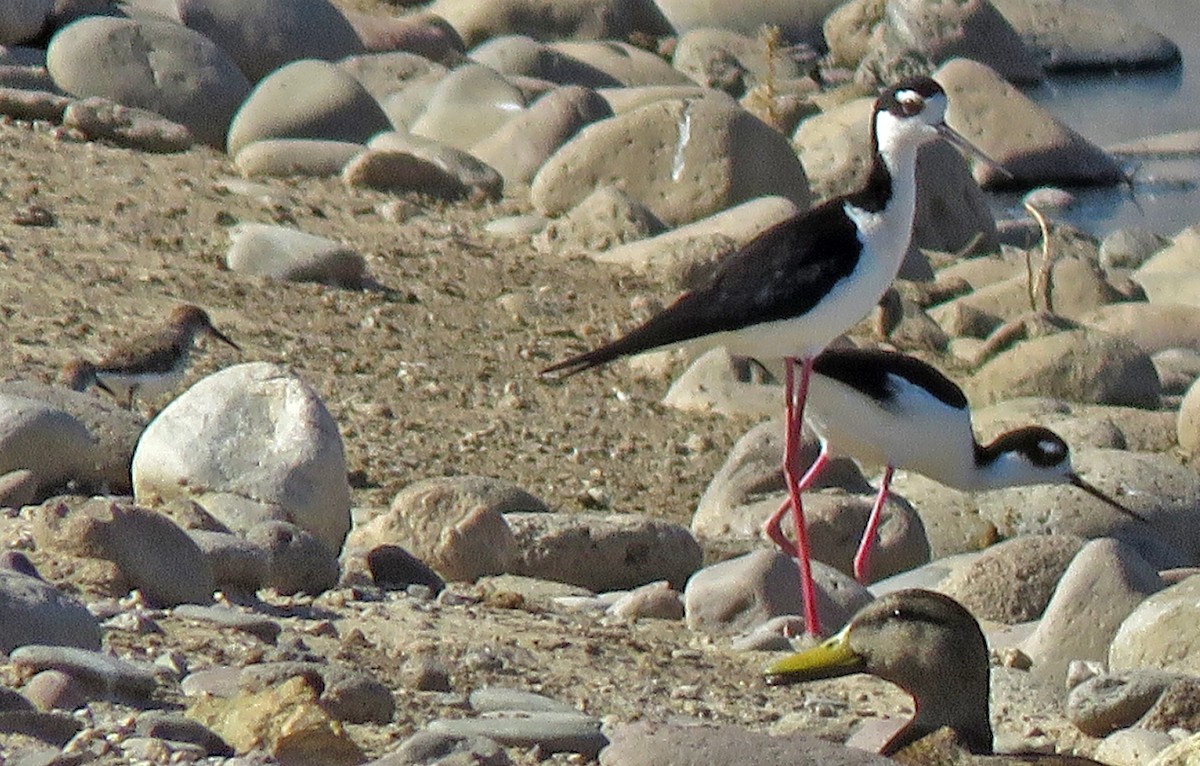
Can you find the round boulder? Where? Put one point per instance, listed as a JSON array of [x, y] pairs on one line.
[[45, 440], [263, 35], [33, 611], [155, 65], [254, 430], [684, 159], [307, 99]]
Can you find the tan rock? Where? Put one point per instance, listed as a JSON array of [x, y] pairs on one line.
[[286, 720]]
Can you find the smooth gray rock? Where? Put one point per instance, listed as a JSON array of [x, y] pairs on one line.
[[1158, 633], [255, 431], [23, 20], [1077, 365], [458, 174], [224, 617], [1111, 701], [1073, 36], [264, 35], [655, 744], [1013, 581], [1188, 424], [1153, 327], [291, 255], [1169, 276], [489, 699], [1129, 248], [467, 105], [656, 601], [608, 217], [384, 73], [306, 99], [737, 594], [41, 438], [550, 732], [1105, 581], [177, 727], [520, 55], [972, 30], [1036, 148], [601, 551], [799, 22], [683, 159], [732, 62], [152, 552], [101, 119], [107, 673], [285, 157], [237, 564], [154, 65], [428, 748], [33, 611], [548, 20], [518, 148]]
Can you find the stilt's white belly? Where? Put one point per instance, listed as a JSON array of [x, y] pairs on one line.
[[915, 431]]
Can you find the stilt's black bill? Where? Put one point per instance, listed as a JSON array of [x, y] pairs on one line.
[[959, 140], [1096, 493]]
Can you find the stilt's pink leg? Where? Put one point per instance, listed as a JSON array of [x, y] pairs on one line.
[[862, 559], [774, 525], [797, 392]]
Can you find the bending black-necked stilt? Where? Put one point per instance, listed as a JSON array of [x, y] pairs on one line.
[[894, 410], [150, 364], [808, 279]]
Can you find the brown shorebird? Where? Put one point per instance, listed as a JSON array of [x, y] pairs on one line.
[[150, 364]]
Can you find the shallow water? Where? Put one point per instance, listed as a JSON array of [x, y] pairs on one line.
[[1108, 108]]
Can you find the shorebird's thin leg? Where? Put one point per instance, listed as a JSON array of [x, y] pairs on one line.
[[862, 558], [774, 524], [797, 392]]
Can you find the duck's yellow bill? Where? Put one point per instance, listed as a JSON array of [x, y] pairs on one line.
[[829, 659]]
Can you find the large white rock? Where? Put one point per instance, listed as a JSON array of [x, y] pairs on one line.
[[155, 65], [252, 430]]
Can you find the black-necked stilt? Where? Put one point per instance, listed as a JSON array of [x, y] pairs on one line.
[[894, 410], [933, 648], [150, 364], [808, 279]]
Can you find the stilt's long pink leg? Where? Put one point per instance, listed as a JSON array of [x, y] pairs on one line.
[[774, 524], [862, 558], [797, 392]]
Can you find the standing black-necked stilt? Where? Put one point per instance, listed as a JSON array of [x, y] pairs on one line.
[[808, 279], [894, 410]]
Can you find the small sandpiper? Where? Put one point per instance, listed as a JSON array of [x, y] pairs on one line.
[[149, 364]]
